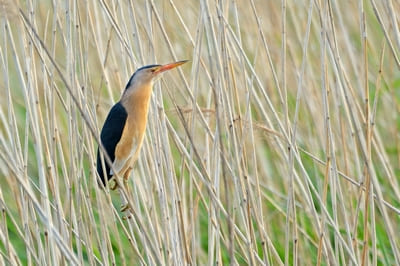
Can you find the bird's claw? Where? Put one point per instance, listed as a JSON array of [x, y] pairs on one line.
[[126, 217], [112, 183], [124, 207]]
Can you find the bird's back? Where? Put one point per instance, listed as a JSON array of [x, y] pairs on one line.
[[110, 136]]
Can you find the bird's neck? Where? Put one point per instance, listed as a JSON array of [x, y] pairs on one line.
[[136, 101]]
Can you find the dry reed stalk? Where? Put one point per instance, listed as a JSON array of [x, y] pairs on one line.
[[276, 146]]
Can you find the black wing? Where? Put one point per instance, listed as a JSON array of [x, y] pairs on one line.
[[110, 136]]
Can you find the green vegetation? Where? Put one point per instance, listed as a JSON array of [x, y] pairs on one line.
[[277, 144]]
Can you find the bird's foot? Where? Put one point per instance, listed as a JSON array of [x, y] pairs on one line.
[[124, 201], [112, 183], [126, 211], [127, 216], [124, 207]]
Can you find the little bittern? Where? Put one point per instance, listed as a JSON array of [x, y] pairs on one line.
[[123, 131]]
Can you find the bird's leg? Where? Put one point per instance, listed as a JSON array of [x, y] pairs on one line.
[[124, 205], [124, 200]]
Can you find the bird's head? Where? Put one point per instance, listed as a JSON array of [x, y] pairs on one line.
[[147, 75]]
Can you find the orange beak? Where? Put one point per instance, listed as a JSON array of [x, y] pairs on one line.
[[170, 66]]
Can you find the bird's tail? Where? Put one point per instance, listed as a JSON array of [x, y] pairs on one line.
[[100, 170]]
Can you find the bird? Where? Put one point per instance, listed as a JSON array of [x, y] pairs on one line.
[[124, 128]]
